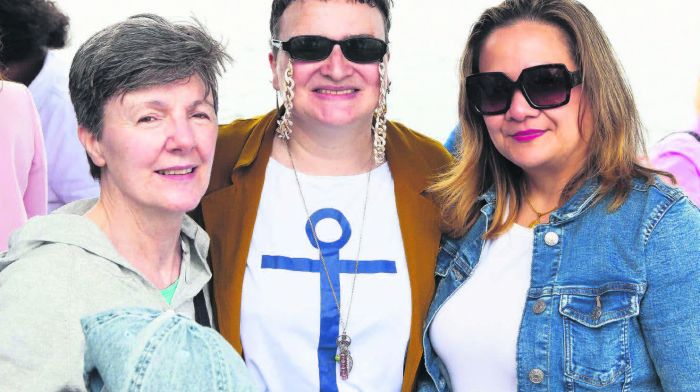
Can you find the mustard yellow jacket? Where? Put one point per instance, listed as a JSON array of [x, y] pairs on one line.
[[229, 209]]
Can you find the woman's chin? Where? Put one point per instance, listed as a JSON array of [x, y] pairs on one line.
[[180, 205]]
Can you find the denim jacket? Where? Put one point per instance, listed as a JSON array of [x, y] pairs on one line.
[[614, 298]]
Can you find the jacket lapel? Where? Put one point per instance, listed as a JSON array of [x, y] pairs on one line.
[[229, 215], [419, 221]]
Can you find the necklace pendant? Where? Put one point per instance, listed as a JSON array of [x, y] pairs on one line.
[[344, 358], [537, 220], [534, 223]]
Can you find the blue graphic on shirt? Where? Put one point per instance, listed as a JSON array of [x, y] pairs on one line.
[[330, 319]]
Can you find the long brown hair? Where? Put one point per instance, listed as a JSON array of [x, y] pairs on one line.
[[616, 141]]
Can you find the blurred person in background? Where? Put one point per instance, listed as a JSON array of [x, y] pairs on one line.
[[31, 29], [22, 159], [679, 154], [145, 92]]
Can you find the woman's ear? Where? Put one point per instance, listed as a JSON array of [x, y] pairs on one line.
[[92, 146]]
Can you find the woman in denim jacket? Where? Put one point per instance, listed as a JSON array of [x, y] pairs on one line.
[[568, 266]]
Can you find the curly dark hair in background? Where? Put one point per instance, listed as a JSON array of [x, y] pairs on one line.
[[30, 27]]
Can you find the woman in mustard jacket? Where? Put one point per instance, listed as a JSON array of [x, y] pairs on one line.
[[323, 240]]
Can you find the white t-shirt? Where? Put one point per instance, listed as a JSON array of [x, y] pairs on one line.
[[289, 319], [475, 333]]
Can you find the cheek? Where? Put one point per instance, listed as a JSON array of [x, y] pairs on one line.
[[115, 151], [574, 118], [302, 72], [370, 73], [207, 143], [493, 125]]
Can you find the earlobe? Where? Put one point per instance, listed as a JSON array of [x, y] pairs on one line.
[[92, 146], [272, 59]]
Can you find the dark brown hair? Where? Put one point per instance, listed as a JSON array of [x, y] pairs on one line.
[[278, 7]]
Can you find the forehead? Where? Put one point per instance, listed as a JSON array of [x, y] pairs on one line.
[[512, 48], [335, 19], [180, 92]]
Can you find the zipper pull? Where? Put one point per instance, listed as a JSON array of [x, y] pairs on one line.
[[598, 310]]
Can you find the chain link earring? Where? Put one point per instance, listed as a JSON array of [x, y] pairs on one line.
[[284, 123], [379, 126]]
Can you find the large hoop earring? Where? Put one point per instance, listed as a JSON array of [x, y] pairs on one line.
[[284, 123], [379, 126]]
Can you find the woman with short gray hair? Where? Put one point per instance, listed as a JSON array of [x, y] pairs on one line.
[[145, 94]]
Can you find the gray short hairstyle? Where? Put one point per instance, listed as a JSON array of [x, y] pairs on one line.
[[143, 51]]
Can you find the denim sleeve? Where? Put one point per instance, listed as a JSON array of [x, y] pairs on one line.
[[453, 142], [670, 310]]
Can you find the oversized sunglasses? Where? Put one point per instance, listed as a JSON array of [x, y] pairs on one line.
[[543, 86], [317, 48]]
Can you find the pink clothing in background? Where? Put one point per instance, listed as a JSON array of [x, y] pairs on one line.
[[679, 154], [23, 184]]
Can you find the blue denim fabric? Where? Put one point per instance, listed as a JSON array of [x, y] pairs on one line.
[[640, 263], [454, 141], [147, 350]]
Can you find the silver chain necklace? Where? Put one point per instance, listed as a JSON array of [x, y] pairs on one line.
[[343, 340]]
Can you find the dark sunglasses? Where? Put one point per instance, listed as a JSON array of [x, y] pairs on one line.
[[317, 48], [544, 87]]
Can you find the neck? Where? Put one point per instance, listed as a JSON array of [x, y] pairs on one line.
[[150, 241], [543, 195], [25, 71], [327, 152]]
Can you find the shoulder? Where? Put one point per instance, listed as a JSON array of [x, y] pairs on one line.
[[233, 135], [44, 263], [17, 111], [676, 144], [15, 100], [12, 90], [42, 335], [656, 192], [665, 208], [40, 277], [421, 147]]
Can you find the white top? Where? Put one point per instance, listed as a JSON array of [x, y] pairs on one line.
[[68, 169], [289, 320], [475, 333]]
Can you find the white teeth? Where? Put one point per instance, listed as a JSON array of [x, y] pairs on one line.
[[175, 172], [336, 92]]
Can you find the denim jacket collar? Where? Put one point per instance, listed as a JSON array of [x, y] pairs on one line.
[[571, 209], [472, 243], [581, 200]]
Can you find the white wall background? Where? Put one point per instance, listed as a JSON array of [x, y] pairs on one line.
[[658, 44]]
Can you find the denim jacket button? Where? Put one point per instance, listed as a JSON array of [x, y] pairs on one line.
[[536, 376], [551, 238], [539, 307]]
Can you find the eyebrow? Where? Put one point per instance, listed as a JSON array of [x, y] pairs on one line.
[[200, 102], [362, 36], [161, 105]]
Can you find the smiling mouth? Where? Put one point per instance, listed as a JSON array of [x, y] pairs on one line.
[[336, 92], [178, 172]]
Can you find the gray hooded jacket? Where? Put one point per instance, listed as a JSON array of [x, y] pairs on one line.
[[60, 268]]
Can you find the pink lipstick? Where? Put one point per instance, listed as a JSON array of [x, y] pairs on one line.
[[527, 135]]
